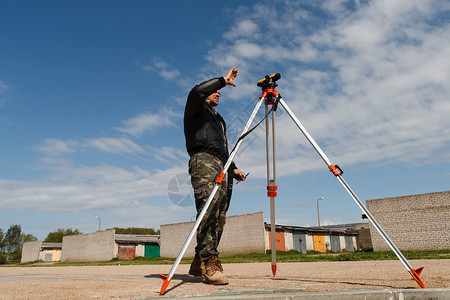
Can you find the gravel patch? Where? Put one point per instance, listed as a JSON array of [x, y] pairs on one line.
[[143, 281]]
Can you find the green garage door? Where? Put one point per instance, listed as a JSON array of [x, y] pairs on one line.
[[152, 250]]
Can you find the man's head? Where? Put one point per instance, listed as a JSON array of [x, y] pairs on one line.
[[213, 99]]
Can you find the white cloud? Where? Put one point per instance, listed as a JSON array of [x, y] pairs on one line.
[[370, 85], [55, 147], [162, 68], [148, 215], [136, 126], [148, 122], [369, 82], [245, 28], [169, 155], [114, 145], [245, 49], [4, 86], [5, 90], [87, 188]]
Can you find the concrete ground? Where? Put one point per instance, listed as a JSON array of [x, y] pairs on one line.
[[313, 280]]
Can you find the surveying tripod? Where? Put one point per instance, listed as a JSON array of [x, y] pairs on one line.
[[273, 98]]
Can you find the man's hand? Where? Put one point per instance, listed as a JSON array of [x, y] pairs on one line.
[[231, 75], [239, 175]]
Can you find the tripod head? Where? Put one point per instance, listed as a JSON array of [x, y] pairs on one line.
[[268, 82]]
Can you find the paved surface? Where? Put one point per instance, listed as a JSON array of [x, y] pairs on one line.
[[316, 280]]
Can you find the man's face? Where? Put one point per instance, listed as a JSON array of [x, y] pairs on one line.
[[214, 98]]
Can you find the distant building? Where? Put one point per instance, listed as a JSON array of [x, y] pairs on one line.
[[305, 239], [50, 252], [242, 234], [362, 230], [97, 246], [419, 222], [130, 246], [248, 233], [37, 250]]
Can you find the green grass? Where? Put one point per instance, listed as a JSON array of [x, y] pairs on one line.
[[312, 256], [282, 256]]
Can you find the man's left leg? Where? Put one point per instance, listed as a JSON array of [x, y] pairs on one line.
[[197, 267], [223, 208]]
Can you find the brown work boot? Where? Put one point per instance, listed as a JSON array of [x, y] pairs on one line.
[[214, 272], [197, 267]]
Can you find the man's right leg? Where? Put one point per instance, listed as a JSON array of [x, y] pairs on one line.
[[204, 169]]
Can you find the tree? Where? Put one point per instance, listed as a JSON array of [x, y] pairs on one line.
[[11, 243], [2, 241], [2, 246], [12, 240], [136, 230], [57, 236], [17, 254], [27, 238]]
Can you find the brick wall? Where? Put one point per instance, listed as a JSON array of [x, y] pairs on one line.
[[241, 234], [419, 222]]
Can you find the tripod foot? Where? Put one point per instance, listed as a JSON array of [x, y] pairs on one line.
[[166, 280], [274, 269], [415, 273]]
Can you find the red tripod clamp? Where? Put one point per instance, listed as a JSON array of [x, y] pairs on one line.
[[335, 170], [272, 190], [220, 178], [271, 95]]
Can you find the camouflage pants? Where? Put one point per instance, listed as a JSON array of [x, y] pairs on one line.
[[204, 169]]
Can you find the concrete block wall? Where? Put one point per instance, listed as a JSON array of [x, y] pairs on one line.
[[242, 234], [97, 246], [140, 250], [342, 242], [267, 239], [363, 240], [309, 242], [419, 222], [288, 240], [30, 251]]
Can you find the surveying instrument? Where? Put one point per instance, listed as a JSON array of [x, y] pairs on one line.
[[272, 98]]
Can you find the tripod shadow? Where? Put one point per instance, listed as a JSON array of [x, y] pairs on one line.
[[184, 279], [320, 281], [324, 281]]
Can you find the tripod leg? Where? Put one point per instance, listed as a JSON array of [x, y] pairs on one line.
[[273, 232], [168, 278], [415, 273], [271, 187]]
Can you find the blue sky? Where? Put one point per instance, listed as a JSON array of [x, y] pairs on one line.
[[92, 97]]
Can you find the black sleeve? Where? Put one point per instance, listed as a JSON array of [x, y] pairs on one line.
[[199, 93], [232, 167]]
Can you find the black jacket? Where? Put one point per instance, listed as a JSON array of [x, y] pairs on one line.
[[204, 128]]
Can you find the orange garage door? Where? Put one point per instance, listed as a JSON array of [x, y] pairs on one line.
[[280, 244]]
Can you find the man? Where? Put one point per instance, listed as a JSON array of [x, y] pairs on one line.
[[207, 145]]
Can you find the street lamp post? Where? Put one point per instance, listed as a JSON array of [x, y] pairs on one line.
[[99, 222], [318, 214]]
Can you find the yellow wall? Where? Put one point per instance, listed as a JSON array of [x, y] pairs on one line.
[[56, 254]]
